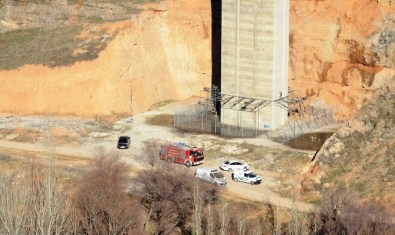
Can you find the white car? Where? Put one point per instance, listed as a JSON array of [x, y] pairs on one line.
[[249, 177], [231, 165]]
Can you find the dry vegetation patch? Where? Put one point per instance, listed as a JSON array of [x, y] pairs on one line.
[[48, 46], [16, 159], [161, 120], [59, 43]]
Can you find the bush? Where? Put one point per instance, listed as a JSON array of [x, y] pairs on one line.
[[102, 201]]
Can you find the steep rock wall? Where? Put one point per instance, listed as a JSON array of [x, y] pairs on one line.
[[341, 51], [162, 54]]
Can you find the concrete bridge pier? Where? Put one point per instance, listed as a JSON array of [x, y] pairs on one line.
[[254, 63]]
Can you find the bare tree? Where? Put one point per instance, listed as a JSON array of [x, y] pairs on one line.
[[241, 216], [366, 218], [198, 201], [255, 227], [167, 196], [315, 223], [13, 204], [49, 208], [272, 218], [304, 221], [223, 217], [210, 220], [150, 155], [33, 203], [344, 213], [334, 203], [104, 206]]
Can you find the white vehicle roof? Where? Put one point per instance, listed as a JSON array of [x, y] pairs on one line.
[[205, 170], [233, 160]]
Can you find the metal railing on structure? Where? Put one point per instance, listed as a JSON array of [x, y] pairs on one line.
[[295, 126], [202, 117]]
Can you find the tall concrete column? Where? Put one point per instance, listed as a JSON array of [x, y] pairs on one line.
[[255, 41]]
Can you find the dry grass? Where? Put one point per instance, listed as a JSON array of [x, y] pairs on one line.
[[67, 166], [56, 46], [161, 120], [50, 47], [21, 135]]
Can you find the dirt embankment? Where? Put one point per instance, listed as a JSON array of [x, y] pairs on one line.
[[361, 155], [160, 54]]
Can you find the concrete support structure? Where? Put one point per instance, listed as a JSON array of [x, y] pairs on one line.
[[254, 64]]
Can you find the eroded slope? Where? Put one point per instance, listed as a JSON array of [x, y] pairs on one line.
[[160, 54]]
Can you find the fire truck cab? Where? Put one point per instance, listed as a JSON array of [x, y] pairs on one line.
[[181, 153]]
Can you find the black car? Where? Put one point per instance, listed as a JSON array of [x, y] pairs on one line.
[[123, 142]]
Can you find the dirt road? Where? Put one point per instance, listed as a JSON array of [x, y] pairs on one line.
[[140, 131], [260, 192]]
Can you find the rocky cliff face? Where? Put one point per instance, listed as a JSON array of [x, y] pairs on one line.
[[162, 53], [341, 51]]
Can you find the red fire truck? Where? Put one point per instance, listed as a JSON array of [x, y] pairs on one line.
[[181, 153]]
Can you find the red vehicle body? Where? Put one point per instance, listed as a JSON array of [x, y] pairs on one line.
[[181, 153]]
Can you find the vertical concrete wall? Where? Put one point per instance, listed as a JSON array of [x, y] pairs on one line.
[[280, 58], [255, 40]]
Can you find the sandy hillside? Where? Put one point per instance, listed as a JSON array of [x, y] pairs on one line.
[[160, 54]]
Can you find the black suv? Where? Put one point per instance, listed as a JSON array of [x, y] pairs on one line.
[[123, 142]]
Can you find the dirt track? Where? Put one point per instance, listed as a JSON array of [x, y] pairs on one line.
[[140, 131]]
